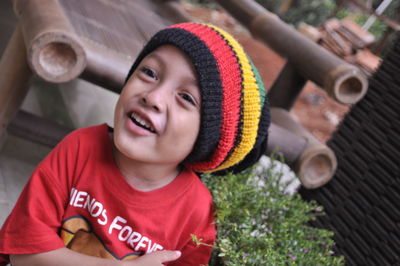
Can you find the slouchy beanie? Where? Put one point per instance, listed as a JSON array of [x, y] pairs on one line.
[[235, 113]]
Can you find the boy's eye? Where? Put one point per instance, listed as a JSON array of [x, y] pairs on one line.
[[149, 72], [189, 98]]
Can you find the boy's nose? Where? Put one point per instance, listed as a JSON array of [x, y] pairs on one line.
[[155, 99]]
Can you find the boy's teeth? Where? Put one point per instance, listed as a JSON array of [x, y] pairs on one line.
[[142, 122]]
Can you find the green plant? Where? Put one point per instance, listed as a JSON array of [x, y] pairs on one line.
[[313, 12], [377, 28], [258, 223]]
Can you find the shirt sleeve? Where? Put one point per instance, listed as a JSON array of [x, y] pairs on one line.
[[33, 225]]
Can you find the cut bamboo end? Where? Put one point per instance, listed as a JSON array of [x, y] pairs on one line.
[[316, 166], [341, 80], [54, 50], [316, 163], [56, 57], [346, 84]]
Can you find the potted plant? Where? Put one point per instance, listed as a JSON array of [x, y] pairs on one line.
[[260, 223]]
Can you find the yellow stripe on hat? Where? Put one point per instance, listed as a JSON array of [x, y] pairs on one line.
[[251, 105]]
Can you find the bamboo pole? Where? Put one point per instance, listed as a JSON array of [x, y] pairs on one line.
[[317, 163], [14, 79], [285, 142], [105, 67], [344, 82], [287, 86], [176, 11], [54, 51], [37, 129]]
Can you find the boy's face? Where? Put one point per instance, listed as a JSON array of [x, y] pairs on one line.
[[157, 117]]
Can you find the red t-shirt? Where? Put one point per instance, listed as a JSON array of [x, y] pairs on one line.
[[78, 198]]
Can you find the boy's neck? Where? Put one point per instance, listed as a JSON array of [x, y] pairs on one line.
[[144, 176]]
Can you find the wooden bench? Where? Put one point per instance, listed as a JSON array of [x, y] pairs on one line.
[[98, 40]]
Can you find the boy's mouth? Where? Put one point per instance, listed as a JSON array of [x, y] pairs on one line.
[[141, 122]]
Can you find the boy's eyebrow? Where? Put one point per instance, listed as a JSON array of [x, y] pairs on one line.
[[154, 54], [157, 57], [193, 81]]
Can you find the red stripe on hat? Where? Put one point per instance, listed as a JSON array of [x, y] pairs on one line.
[[231, 79]]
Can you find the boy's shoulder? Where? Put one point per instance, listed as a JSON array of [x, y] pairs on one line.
[[84, 141], [198, 194], [90, 131], [197, 184], [87, 135], [198, 204]]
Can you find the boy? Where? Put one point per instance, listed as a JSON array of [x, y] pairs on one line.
[[192, 102]]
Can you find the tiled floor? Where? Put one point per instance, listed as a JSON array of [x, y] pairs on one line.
[[75, 104]]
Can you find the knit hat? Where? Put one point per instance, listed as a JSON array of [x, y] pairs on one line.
[[234, 108]]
